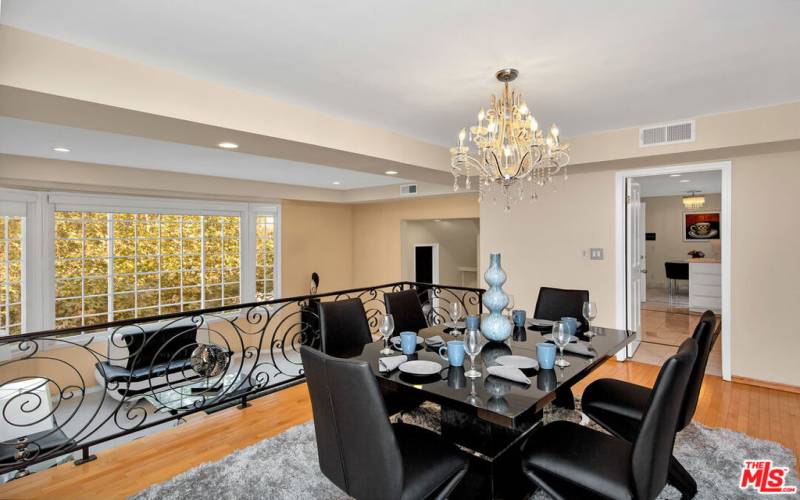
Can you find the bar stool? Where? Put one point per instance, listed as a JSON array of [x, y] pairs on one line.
[[675, 271]]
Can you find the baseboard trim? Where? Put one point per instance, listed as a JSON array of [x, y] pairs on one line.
[[769, 385]]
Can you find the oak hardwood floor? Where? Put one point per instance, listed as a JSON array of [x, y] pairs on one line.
[[129, 468]]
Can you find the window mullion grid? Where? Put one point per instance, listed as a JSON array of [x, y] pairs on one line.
[[110, 273], [7, 277], [223, 226], [136, 264], [83, 268], [158, 259], [202, 261], [180, 265]]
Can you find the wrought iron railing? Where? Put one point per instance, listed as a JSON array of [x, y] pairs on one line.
[[81, 389]]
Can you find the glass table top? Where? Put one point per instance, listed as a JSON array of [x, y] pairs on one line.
[[491, 398]]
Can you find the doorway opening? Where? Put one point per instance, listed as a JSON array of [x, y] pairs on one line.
[[440, 251], [674, 258]]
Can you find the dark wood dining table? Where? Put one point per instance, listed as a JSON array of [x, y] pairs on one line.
[[491, 417]]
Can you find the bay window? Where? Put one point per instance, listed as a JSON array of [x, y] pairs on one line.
[[116, 258]]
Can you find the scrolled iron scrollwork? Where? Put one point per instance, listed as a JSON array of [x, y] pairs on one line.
[[78, 388]]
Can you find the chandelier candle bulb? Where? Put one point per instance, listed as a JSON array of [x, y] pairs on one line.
[[508, 149]]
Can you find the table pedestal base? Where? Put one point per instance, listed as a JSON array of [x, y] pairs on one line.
[[496, 470]]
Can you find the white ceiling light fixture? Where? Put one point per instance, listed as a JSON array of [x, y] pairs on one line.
[[336, 183], [674, 175], [391, 172], [685, 180], [508, 148], [228, 145], [61, 149], [693, 201]]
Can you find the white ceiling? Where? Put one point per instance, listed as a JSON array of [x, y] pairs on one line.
[[666, 185], [28, 138], [425, 67]]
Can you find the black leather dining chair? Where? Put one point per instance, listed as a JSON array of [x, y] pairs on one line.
[[556, 303], [569, 460], [619, 406], [359, 450], [406, 309], [343, 326], [344, 331]]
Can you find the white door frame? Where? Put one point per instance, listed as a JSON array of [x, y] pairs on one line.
[[725, 225]]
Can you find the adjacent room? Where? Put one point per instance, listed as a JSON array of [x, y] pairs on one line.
[[399, 250]]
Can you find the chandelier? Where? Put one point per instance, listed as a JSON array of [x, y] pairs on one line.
[[693, 201], [510, 155]]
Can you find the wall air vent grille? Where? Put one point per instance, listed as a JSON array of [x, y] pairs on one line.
[[408, 189], [667, 133]]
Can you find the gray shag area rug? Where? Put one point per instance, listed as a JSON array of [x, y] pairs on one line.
[[284, 467]]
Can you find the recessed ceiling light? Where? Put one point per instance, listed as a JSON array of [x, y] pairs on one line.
[[685, 180], [674, 175], [336, 183], [61, 150], [228, 145], [437, 220], [391, 172]]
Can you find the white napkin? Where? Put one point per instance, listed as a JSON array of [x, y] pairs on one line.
[[391, 363], [581, 348], [434, 341], [509, 373]]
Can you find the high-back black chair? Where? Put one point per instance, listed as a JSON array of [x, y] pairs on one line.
[[359, 450], [406, 310], [619, 406], [568, 460], [556, 303], [343, 326]]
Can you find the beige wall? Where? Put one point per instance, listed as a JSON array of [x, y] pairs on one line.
[[664, 216], [316, 237], [377, 245], [542, 245], [458, 247]]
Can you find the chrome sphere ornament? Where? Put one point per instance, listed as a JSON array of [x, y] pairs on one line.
[[209, 360]]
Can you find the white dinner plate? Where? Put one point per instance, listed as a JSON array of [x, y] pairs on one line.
[[396, 341], [421, 367], [544, 322], [549, 337], [539, 322], [521, 362]]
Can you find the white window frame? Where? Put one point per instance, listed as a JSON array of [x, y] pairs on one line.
[[255, 211], [39, 281], [29, 205]]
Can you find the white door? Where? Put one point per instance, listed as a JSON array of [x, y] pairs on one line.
[[634, 241], [643, 248]]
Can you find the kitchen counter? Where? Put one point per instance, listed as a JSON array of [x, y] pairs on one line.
[[704, 260], [705, 285]]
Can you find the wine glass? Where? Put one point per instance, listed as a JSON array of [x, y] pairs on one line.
[[590, 313], [387, 327], [510, 306], [472, 346], [455, 312], [561, 337]]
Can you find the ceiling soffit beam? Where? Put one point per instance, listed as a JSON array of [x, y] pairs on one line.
[[40, 107], [43, 64]]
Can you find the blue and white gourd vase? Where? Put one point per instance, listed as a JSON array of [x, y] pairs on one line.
[[495, 326]]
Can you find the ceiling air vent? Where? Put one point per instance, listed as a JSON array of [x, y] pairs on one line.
[[666, 133], [408, 189]]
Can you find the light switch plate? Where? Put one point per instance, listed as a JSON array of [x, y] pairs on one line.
[[596, 253]]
